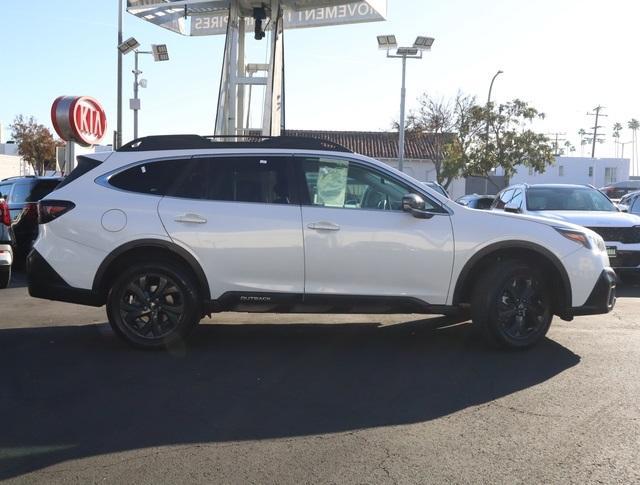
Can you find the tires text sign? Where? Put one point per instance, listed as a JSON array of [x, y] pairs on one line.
[[216, 23]]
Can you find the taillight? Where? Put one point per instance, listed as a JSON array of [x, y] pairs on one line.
[[49, 210], [5, 215]]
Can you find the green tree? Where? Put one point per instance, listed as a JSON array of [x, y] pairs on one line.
[[35, 143], [465, 147]]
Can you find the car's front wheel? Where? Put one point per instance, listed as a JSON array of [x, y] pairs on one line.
[[152, 305], [512, 305]]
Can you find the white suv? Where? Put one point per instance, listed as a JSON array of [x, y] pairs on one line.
[[170, 228]]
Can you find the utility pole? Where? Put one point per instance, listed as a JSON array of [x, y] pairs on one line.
[[556, 144], [597, 114]]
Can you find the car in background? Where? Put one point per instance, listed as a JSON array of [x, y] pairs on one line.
[[630, 203], [476, 201], [437, 187], [6, 244], [22, 194], [617, 190], [585, 206]]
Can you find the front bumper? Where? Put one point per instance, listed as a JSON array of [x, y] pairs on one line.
[[45, 283], [602, 298]]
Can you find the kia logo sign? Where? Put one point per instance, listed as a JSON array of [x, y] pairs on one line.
[[79, 119]]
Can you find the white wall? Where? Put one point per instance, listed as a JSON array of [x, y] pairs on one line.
[[8, 149], [12, 166], [575, 170]]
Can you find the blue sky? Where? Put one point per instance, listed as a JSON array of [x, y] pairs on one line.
[[564, 56]]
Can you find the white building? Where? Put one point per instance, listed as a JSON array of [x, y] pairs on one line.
[[576, 170]]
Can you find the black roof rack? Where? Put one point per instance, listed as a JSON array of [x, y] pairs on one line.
[[194, 142]]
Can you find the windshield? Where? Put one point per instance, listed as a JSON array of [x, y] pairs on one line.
[[568, 199]]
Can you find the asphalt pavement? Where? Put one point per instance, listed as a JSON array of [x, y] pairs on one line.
[[316, 399]]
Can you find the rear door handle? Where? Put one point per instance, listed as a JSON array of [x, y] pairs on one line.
[[323, 226], [191, 218]]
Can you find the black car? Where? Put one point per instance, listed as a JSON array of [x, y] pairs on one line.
[[617, 190], [475, 201], [22, 194]]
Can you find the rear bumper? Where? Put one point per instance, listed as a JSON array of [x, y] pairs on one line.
[[602, 298], [45, 283]]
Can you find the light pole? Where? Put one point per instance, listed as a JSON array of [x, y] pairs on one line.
[[388, 43], [118, 138], [160, 53], [486, 146]]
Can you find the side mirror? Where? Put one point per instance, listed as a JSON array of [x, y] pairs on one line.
[[623, 207], [415, 205], [514, 209]]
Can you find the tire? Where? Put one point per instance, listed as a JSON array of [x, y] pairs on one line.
[[5, 276], [511, 305], [153, 305]]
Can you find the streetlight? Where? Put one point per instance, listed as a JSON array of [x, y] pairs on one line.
[[159, 53], [389, 43], [486, 147]]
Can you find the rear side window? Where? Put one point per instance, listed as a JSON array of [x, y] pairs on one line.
[[151, 178], [20, 193], [237, 179], [85, 164]]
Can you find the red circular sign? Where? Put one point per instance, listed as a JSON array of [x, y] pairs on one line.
[[79, 119]]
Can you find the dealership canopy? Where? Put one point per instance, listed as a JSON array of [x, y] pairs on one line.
[[209, 17], [233, 18]]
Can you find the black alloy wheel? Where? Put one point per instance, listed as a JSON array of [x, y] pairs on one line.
[[153, 304], [512, 305]]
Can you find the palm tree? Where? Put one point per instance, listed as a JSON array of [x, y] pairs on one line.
[[583, 142], [617, 128], [634, 125]]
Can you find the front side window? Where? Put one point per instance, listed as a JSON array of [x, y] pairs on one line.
[[635, 207], [502, 199], [516, 199], [342, 184]]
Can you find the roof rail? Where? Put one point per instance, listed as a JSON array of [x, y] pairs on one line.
[[190, 142], [19, 177]]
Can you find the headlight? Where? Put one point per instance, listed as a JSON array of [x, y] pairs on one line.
[[576, 236]]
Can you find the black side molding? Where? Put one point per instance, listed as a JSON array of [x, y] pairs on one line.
[[45, 282]]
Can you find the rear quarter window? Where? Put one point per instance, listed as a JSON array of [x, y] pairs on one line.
[[153, 178]]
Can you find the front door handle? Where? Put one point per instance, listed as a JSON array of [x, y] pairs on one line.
[[191, 218], [323, 226]]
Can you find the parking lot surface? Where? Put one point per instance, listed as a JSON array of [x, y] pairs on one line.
[[316, 399]]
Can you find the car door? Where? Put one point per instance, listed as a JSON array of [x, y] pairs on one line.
[[358, 241], [239, 216]]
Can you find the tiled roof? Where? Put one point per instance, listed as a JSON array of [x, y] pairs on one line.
[[377, 144]]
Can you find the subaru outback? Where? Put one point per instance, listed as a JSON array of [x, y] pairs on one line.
[[168, 229]]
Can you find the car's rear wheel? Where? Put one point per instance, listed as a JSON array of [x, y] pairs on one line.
[[512, 305], [5, 276], [153, 305]]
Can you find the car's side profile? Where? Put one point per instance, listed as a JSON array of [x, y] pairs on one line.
[[168, 229]]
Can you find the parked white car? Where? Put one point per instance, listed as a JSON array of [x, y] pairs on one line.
[[582, 205], [168, 229]]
